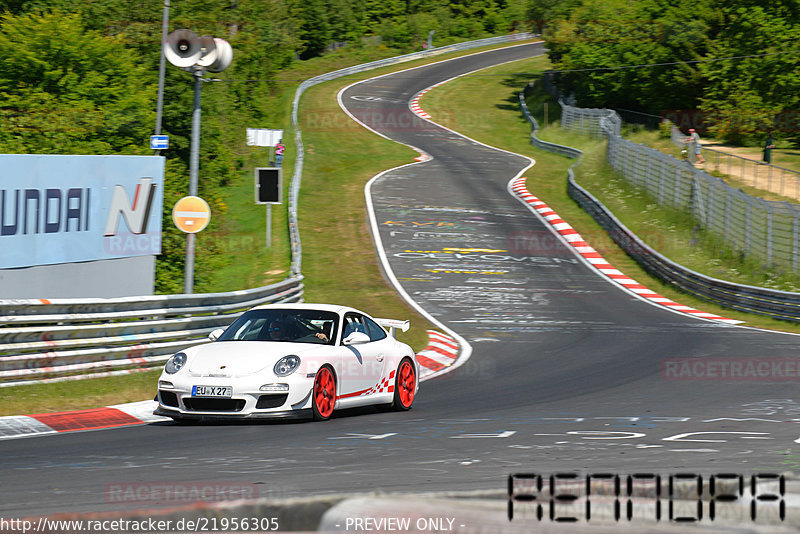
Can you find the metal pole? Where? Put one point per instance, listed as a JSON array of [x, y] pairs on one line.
[[161, 70], [194, 157], [269, 225], [194, 164], [744, 171]]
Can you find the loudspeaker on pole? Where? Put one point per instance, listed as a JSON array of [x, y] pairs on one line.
[[183, 48], [223, 55]]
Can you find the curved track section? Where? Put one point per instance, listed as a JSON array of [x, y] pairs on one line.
[[567, 371]]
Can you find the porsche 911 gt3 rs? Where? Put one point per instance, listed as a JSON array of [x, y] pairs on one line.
[[285, 360]]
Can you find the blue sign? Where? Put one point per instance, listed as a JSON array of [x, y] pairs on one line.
[[159, 142]]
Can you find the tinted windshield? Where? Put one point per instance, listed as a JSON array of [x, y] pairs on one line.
[[297, 326]]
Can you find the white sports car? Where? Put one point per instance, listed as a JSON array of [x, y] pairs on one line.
[[284, 360]]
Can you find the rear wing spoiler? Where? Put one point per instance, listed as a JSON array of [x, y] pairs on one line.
[[393, 325]]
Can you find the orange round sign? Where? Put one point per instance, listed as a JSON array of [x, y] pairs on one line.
[[191, 214]]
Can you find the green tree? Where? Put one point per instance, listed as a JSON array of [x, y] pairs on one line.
[[746, 97], [68, 90], [611, 50], [314, 30]]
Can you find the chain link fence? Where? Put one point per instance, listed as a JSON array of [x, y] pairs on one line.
[[758, 228], [759, 174]]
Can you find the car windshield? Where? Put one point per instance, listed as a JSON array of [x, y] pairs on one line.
[[275, 324]]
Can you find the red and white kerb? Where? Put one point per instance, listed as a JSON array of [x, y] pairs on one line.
[[595, 260]]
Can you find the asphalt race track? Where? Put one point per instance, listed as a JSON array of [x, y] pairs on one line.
[[567, 371]]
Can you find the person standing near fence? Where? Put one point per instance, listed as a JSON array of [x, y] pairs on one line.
[[769, 144], [279, 148], [694, 144]]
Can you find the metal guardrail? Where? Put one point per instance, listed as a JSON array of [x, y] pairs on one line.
[[783, 305], [83, 338]]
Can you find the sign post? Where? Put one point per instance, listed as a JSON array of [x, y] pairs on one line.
[[268, 188]]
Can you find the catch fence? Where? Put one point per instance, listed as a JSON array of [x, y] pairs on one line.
[[763, 229]]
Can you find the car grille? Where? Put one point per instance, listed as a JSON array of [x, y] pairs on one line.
[[168, 398], [213, 405], [271, 401]]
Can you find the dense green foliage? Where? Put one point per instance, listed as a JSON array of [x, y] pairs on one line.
[[737, 99], [64, 89], [81, 78]]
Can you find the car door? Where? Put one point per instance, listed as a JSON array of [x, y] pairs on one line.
[[363, 355]]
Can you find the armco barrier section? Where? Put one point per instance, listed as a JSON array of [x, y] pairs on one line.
[[81, 338], [783, 305]]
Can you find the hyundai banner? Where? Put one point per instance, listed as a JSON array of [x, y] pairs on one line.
[[64, 209]]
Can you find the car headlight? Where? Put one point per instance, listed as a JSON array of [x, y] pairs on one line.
[[175, 363], [286, 365]]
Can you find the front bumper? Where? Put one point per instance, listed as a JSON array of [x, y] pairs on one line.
[[246, 402], [207, 416]]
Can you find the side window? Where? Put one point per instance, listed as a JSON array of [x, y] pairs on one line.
[[374, 330], [352, 323]]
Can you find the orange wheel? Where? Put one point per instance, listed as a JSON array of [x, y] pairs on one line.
[[405, 385], [324, 394]]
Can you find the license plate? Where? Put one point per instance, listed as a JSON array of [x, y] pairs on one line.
[[212, 391]]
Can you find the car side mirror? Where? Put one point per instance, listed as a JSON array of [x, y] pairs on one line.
[[356, 338], [213, 336]]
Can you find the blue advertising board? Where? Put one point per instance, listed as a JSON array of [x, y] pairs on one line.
[[65, 209]]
